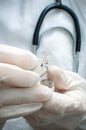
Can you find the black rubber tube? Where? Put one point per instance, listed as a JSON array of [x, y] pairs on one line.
[[50, 7]]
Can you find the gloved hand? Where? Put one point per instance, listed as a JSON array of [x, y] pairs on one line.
[[20, 90], [66, 107]]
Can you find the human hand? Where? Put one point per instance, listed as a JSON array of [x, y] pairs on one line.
[[20, 90], [66, 107]]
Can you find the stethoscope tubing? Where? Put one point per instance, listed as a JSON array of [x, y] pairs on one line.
[[58, 5]]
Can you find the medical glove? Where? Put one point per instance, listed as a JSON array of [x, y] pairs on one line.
[[66, 107], [20, 90]]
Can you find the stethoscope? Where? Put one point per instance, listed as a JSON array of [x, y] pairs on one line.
[[58, 5]]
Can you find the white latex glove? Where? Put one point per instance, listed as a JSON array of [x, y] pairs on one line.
[[20, 90], [66, 107]]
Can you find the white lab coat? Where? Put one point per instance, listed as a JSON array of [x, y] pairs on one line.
[[18, 19]]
